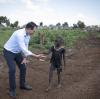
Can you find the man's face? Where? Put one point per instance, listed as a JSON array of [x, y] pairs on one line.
[[30, 31]]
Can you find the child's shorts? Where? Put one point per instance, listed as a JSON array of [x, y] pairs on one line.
[[53, 68]]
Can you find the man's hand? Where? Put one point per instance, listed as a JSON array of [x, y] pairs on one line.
[[40, 56], [25, 61]]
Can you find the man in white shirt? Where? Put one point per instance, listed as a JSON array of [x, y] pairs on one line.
[[14, 50]]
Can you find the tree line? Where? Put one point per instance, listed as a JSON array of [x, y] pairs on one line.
[[65, 25], [5, 20]]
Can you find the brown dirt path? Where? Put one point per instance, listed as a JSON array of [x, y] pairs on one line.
[[81, 79]]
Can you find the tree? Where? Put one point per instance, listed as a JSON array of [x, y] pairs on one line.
[[80, 24], [75, 26], [3, 19], [12, 25], [58, 25], [41, 24], [16, 24], [65, 25], [7, 22], [51, 26]]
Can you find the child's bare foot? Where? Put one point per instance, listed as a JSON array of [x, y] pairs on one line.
[[48, 89], [59, 86]]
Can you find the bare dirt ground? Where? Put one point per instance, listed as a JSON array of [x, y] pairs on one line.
[[80, 79]]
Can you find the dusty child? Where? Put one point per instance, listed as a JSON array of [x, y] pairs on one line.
[[57, 60]]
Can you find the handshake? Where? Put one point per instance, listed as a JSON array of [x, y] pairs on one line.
[[41, 57]]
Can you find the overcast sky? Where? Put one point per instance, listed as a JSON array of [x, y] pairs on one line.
[[51, 11]]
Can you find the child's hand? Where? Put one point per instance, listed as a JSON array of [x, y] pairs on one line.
[[39, 56], [42, 56], [42, 60]]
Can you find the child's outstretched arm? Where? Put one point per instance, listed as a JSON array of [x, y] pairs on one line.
[[47, 55]]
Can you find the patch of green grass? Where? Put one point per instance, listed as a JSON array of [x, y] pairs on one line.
[[4, 36], [69, 36]]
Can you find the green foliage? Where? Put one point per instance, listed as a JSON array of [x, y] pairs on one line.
[[4, 36], [80, 24], [69, 36], [4, 19]]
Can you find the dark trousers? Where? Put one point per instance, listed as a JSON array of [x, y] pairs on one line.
[[11, 58]]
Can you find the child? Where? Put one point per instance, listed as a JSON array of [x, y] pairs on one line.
[[58, 55]]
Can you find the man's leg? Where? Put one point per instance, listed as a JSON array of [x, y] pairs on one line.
[[9, 56], [22, 67]]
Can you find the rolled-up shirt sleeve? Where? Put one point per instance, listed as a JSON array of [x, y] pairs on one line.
[[23, 47]]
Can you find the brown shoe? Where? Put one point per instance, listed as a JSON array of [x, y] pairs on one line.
[[26, 87]]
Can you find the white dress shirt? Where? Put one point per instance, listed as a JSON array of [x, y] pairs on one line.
[[19, 42]]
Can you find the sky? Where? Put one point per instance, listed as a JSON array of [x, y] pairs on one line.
[[51, 11]]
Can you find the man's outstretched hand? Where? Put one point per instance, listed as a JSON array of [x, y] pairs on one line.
[[42, 57]]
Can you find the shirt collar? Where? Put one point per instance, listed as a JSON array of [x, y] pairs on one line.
[[26, 34]]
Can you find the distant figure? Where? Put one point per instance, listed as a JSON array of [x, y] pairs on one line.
[[16, 50], [58, 55], [41, 38]]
